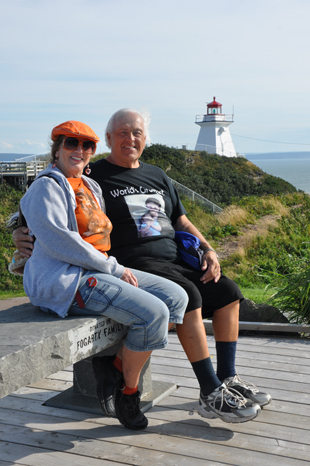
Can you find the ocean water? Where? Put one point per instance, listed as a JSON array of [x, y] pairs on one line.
[[291, 167], [8, 157]]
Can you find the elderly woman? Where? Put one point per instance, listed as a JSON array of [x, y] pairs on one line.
[[70, 272]]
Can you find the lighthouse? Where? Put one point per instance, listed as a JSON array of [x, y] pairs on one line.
[[214, 136]]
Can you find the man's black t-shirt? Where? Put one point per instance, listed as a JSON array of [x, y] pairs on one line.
[[143, 206]]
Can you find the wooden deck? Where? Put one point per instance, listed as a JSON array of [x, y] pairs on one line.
[[21, 172], [33, 434]]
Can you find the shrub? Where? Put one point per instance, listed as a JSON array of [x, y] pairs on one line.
[[10, 198], [293, 297]]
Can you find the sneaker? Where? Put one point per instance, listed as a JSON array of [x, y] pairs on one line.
[[108, 378], [227, 405], [248, 390], [128, 412]]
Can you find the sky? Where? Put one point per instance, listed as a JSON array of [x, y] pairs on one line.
[[85, 59]]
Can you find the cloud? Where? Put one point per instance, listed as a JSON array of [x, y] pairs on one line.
[[33, 143], [6, 145]]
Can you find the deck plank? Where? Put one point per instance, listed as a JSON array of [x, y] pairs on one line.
[[36, 456], [163, 367], [241, 355]]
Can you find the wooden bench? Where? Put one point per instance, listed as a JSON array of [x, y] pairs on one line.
[[34, 345]]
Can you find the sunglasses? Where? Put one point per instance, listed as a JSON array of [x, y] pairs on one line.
[[73, 143]]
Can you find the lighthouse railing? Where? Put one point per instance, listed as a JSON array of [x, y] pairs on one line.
[[214, 117], [195, 197]]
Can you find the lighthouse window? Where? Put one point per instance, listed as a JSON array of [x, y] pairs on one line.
[[214, 110]]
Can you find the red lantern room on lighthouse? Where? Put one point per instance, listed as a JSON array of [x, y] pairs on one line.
[[214, 108]]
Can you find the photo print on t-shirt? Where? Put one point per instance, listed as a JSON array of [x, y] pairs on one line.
[[148, 213]]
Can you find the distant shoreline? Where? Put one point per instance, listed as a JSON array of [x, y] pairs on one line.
[[278, 156]]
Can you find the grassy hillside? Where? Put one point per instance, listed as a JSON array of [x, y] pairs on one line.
[[258, 238], [219, 179], [247, 195]]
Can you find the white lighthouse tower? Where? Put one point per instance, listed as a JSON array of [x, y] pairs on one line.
[[214, 136]]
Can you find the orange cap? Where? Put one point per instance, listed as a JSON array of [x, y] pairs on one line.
[[74, 128]]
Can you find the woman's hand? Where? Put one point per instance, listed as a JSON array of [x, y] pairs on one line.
[[129, 277]]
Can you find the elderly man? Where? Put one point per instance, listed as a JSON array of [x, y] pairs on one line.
[[127, 184]]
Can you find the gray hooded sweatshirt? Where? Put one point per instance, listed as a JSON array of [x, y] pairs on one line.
[[53, 272]]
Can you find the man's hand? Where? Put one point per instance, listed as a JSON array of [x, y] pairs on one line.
[[211, 264], [129, 277], [23, 241]]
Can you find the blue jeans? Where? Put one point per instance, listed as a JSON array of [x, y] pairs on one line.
[[146, 310]]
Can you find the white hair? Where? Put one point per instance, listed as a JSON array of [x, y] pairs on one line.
[[145, 115]]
